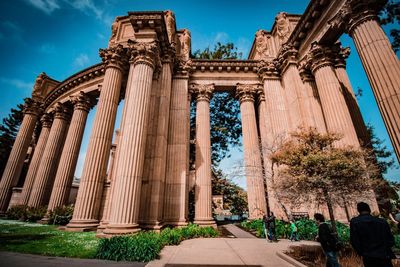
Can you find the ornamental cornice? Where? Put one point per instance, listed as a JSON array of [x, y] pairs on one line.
[[203, 92], [246, 92], [319, 56], [32, 106], [62, 111], [46, 120], [82, 101], [147, 53], [73, 81], [229, 65], [115, 56]]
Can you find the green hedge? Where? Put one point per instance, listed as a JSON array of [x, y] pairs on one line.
[[26, 213], [146, 246], [61, 215]]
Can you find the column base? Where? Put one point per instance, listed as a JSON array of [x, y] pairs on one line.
[[175, 223], [155, 225], [82, 225], [205, 223], [44, 220], [102, 227], [121, 229]]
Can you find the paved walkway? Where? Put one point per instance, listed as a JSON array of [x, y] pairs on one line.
[[237, 232]]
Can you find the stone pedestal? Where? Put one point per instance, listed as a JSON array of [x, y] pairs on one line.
[[252, 157], [126, 198], [45, 175], [16, 159], [177, 167], [203, 201], [382, 67], [70, 153], [46, 120], [94, 170]]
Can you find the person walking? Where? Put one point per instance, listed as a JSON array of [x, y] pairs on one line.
[[293, 231], [371, 238], [271, 224], [266, 227], [327, 240]]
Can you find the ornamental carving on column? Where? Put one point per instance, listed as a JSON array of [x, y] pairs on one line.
[[319, 56], [268, 69], [287, 55], [46, 120], [246, 92], [144, 53], [114, 56], [114, 29], [341, 57], [282, 27], [305, 72], [82, 101], [170, 22], [62, 111], [203, 92], [185, 44], [32, 106], [262, 44], [38, 87]]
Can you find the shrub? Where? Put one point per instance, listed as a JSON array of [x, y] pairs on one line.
[[171, 236], [34, 214], [16, 212], [307, 229], [61, 215]]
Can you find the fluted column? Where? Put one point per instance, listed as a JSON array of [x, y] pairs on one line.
[[252, 155], [126, 198], [94, 170], [177, 167], [46, 121], [152, 207], [203, 193], [70, 152], [380, 63], [45, 175], [336, 112], [16, 159], [313, 98]]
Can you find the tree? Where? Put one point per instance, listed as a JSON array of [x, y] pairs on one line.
[[312, 167], [8, 132], [391, 15]]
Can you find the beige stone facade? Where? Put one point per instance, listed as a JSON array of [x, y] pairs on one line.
[[295, 76]]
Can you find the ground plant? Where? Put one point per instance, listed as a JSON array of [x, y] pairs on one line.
[[61, 215]]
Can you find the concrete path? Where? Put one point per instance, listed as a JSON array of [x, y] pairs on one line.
[[220, 252], [11, 259], [237, 232]]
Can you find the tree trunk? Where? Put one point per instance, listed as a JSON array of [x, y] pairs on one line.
[[330, 209], [346, 209]]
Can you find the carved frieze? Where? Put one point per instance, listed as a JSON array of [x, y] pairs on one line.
[[203, 92], [282, 27], [114, 56], [262, 48]]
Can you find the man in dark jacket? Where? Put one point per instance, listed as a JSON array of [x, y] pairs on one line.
[[371, 238], [327, 240]]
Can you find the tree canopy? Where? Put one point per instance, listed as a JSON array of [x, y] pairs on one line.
[[391, 15]]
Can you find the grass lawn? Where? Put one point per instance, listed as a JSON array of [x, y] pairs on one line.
[[47, 240]]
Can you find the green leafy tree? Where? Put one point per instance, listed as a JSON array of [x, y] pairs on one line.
[[8, 133], [391, 15], [313, 168]]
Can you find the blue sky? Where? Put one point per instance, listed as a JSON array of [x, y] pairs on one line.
[[62, 37]]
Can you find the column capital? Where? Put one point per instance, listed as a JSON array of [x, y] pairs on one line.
[[46, 120], [144, 53], [287, 55], [61, 111], [341, 57], [203, 91], [319, 56], [268, 69], [82, 101], [246, 92], [305, 72], [260, 95], [32, 106], [115, 56]]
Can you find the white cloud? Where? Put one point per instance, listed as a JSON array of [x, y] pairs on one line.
[[47, 6], [85, 6], [20, 84], [82, 60], [47, 48]]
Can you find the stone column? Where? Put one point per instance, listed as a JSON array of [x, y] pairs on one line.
[[380, 63], [336, 112], [45, 175], [351, 100], [314, 100], [70, 152], [152, 206], [46, 121], [126, 198], [177, 167], [94, 170], [16, 159], [252, 156], [203, 194]]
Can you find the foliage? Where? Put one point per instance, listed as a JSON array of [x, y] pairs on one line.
[[235, 198], [314, 168], [8, 132], [26, 213], [146, 246], [46, 240], [391, 15], [220, 51], [61, 215], [16, 212]]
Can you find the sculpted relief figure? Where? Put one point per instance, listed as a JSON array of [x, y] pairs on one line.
[[282, 26], [170, 21], [262, 44], [185, 41], [38, 87], [114, 28]]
